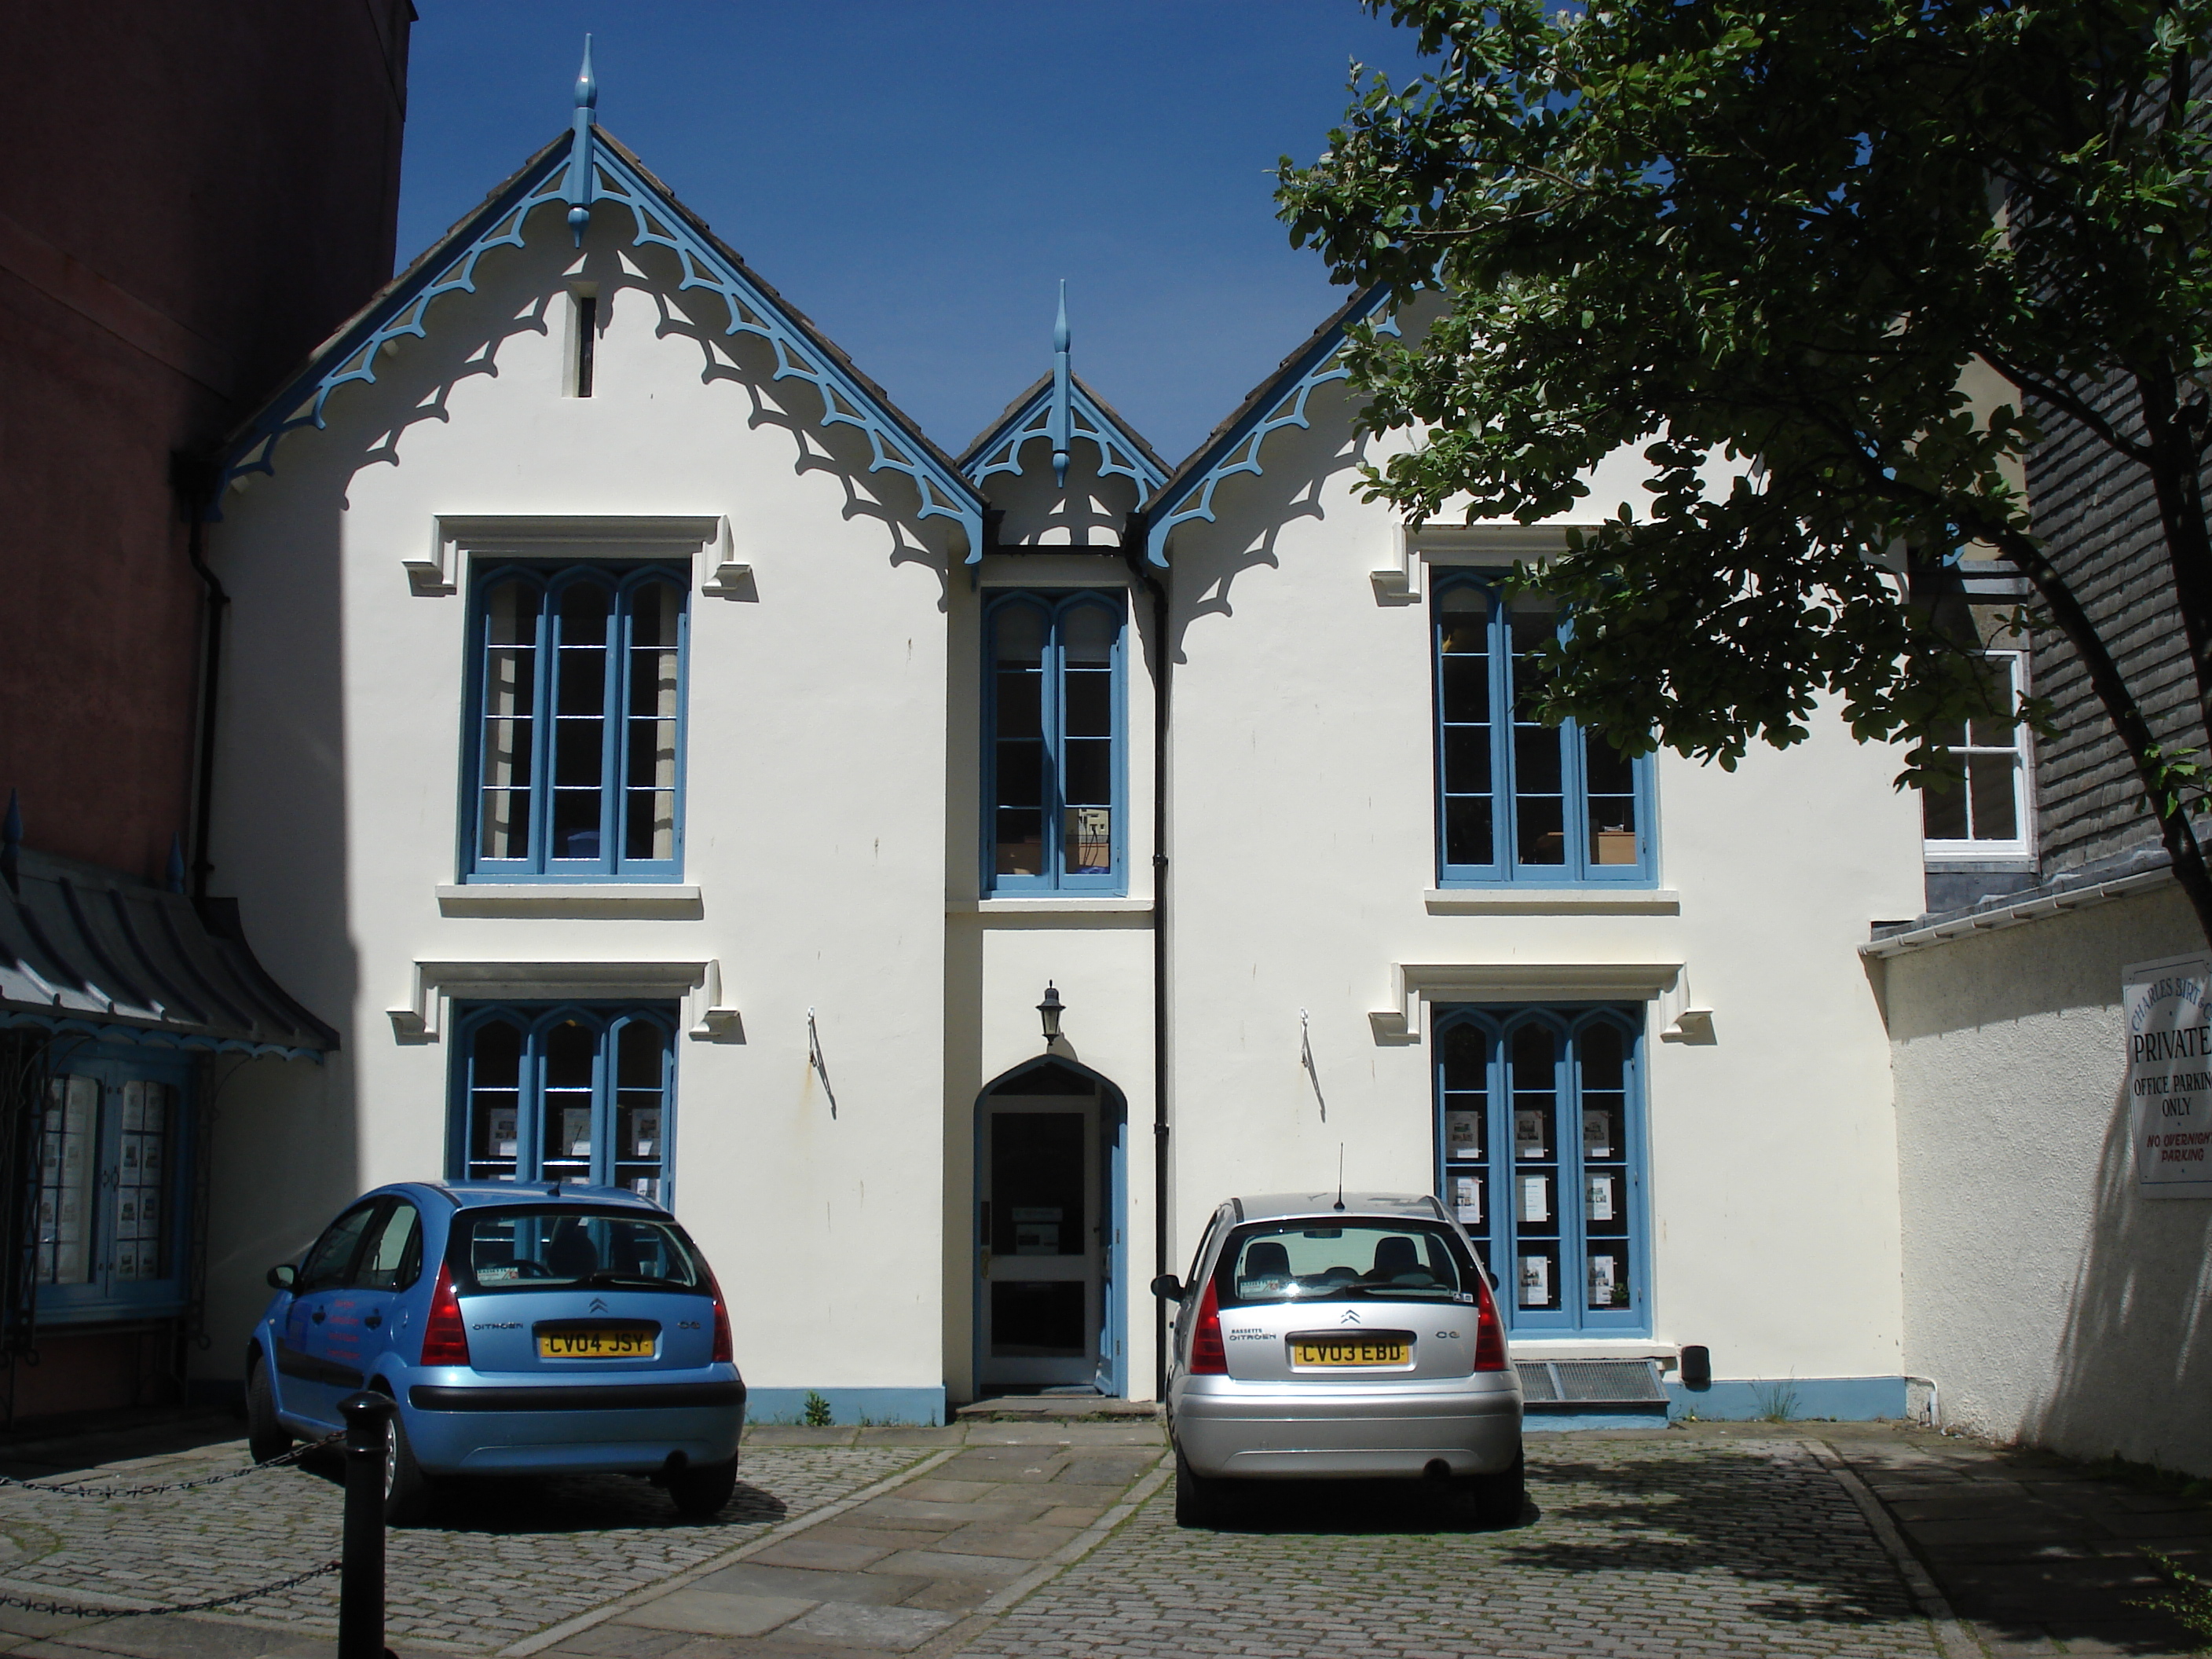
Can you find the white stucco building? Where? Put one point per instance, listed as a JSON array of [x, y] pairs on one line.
[[663, 765]]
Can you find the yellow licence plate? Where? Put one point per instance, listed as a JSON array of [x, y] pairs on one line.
[[1349, 1353], [611, 1343]]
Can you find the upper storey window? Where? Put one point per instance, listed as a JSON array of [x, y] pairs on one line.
[[1052, 744], [1984, 812], [1518, 800], [575, 761]]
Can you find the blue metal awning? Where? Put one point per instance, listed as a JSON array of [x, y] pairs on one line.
[[90, 949]]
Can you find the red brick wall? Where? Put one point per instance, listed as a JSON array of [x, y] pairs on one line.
[[196, 196]]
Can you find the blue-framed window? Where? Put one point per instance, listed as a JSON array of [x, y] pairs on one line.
[[114, 1156], [575, 749], [1053, 761], [575, 1093], [1540, 1155], [1518, 800]]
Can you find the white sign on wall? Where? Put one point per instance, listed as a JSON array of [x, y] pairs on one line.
[[2168, 1010]]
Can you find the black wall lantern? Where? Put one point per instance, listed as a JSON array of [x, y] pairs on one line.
[[1048, 1011]]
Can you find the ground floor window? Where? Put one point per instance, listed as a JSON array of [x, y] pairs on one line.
[[1540, 1134], [579, 1094], [112, 1197]]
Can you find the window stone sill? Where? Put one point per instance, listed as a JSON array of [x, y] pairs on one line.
[[1045, 905], [1553, 901], [1668, 1354], [639, 901]]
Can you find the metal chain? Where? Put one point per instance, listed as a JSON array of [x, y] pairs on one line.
[[277, 1462], [73, 1610]]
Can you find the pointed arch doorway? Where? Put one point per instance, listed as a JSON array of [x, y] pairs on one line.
[[1051, 1256]]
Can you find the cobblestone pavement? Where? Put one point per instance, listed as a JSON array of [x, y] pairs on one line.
[[1635, 1546], [502, 1559]]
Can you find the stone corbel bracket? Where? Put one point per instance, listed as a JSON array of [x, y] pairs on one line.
[[1414, 986], [698, 986], [455, 537]]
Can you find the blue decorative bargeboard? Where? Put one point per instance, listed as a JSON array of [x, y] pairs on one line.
[[582, 173]]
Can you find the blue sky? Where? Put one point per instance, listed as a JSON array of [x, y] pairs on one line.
[[917, 177]]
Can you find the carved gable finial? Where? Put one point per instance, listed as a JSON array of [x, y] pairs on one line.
[[1063, 415], [579, 192]]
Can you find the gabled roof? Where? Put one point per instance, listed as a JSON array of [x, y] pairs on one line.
[[1123, 451], [91, 950], [609, 177], [1234, 447]]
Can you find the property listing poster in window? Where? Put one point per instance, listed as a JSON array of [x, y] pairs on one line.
[[1535, 1281], [502, 1134], [1530, 1139], [1462, 1135], [1598, 1205], [1604, 1280], [1535, 1197], [1597, 1134], [645, 1132], [576, 1130], [1467, 1199], [2167, 1006]]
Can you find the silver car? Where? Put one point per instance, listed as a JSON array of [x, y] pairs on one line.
[[1341, 1335]]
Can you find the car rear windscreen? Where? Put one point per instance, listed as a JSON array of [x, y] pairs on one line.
[[558, 1247], [1351, 1260]]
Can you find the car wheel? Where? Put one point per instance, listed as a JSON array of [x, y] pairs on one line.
[[700, 1490], [266, 1438], [1198, 1499], [1498, 1499], [407, 1489]]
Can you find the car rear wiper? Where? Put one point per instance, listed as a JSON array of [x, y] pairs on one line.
[[608, 1277]]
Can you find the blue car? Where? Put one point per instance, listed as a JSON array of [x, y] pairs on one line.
[[520, 1330]]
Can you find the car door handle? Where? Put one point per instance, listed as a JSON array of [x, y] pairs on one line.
[[374, 1321], [317, 1315]]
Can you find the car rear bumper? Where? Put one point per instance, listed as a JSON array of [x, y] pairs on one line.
[[505, 1425], [1264, 1431]]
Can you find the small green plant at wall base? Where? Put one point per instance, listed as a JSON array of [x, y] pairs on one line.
[[1778, 1401], [2188, 1598], [818, 1411]]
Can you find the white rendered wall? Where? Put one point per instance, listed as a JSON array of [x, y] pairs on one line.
[[814, 814], [2048, 1301], [1301, 850]]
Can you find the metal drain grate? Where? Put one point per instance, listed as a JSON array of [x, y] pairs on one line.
[[1590, 1382]]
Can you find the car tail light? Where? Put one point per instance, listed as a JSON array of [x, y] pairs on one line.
[[445, 1338], [725, 1350], [1207, 1357], [1489, 1328]]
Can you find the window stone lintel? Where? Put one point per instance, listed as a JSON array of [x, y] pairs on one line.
[[457, 536], [696, 986], [1401, 580], [1414, 986]]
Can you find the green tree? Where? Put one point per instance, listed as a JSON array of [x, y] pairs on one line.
[[1778, 234]]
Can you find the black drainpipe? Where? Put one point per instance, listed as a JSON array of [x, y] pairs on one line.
[[193, 479], [1133, 542]]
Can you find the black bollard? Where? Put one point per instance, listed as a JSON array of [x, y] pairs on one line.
[[361, 1576]]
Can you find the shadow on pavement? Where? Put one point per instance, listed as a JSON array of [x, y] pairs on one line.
[[1363, 1508], [547, 1505], [1786, 1524]]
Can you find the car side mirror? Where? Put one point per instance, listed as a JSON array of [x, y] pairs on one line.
[[283, 1276], [1491, 1277], [1168, 1287]]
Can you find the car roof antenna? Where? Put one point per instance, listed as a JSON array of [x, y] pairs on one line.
[[1340, 1177]]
